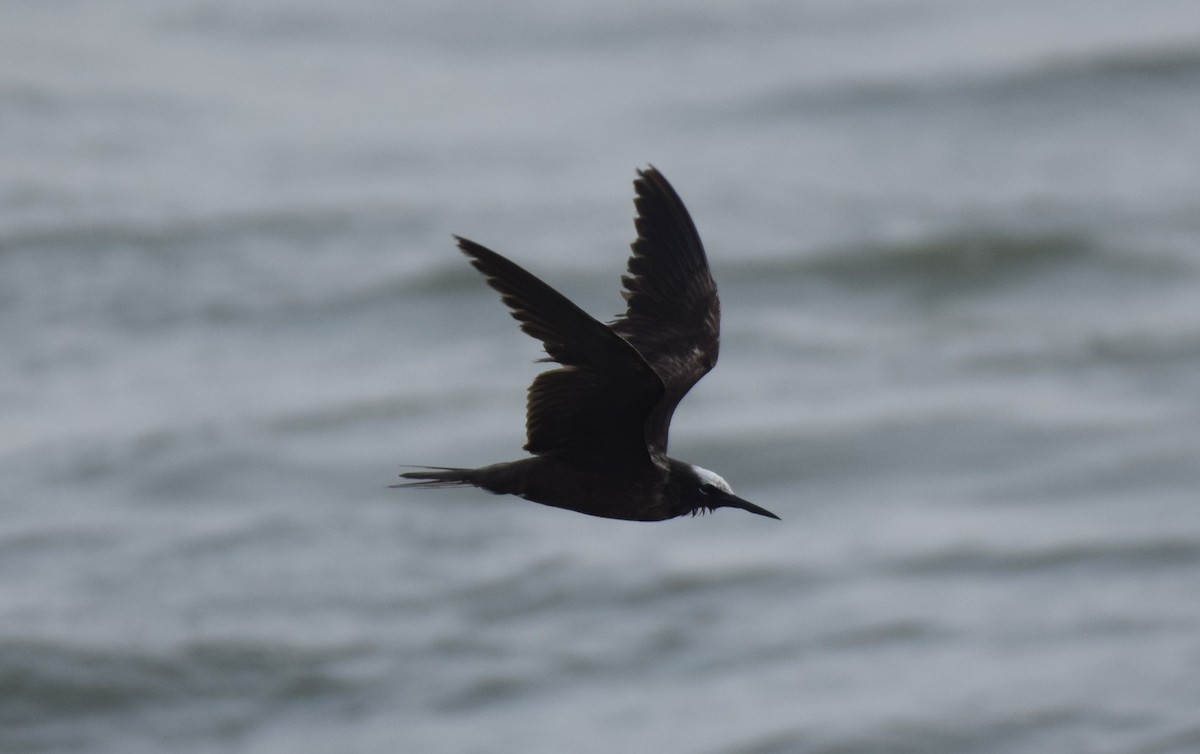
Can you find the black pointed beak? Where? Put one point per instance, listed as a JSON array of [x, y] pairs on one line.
[[733, 501]]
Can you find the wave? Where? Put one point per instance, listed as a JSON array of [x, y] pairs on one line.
[[1093, 557], [146, 276], [964, 261], [43, 682], [951, 263], [1133, 70]]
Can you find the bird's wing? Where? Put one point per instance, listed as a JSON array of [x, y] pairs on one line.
[[673, 317], [593, 409]]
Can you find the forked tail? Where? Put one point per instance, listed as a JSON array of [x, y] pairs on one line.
[[437, 476]]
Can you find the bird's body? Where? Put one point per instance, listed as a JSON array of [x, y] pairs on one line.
[[597, 426], [645, 493]]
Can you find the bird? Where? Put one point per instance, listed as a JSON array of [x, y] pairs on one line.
[[597, 425]]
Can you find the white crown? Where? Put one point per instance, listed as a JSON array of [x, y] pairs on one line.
[[712, 478]]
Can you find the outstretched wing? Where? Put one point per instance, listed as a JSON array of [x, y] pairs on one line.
[[593, 409], [673, 317]]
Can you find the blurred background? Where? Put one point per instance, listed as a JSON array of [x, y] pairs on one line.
[[958, 248]]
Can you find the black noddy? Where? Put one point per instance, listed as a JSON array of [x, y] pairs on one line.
[[597, 425]]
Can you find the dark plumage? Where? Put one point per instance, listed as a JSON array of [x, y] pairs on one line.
[[597, 426]]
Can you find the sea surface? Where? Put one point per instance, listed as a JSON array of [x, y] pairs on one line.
[[958, 247]]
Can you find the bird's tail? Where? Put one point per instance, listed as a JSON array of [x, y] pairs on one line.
[[437, 476]]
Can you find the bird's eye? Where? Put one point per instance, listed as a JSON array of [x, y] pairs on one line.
[[705, 489]]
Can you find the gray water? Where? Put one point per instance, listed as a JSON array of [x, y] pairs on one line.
[[959, 254]]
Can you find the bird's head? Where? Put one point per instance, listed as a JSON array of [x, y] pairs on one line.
[[708, 491]]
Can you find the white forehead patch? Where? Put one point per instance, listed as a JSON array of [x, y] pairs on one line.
[[710, 477]]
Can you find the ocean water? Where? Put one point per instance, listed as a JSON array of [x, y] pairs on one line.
[[958, 246]]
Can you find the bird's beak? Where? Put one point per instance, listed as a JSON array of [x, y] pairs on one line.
[[733, 501]]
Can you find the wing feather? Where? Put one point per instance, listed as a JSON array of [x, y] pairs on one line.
[[593, 409], [673, 315]]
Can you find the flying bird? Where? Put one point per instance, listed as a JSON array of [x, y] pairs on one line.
[[596, 426]]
